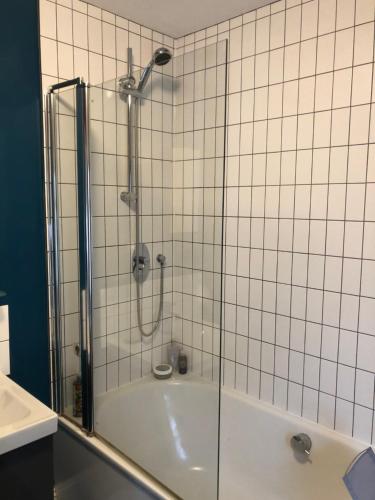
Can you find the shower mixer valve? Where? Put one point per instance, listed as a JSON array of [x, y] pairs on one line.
[[141, 264]]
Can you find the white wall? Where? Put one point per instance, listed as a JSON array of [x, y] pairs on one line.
[[300, 220]]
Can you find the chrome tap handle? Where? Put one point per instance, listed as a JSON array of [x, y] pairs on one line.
[[139, 263]]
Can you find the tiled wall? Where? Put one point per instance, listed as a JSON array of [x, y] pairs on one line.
[[198, 167], [300, 221], [300, 218], [78, 39]]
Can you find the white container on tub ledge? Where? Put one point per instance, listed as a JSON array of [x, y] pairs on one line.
[[23, 419]]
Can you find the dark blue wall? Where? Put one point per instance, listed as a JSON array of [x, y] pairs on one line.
[[22, 235]]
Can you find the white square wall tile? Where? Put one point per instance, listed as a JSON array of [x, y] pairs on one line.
[[326, 414], [363, 421], [359, 124], [326, 53], [364, 11], [311, 372], [4, 340], [367, 316], [327, 14], [4, 357], [64, 25], [364, 388], [362, 82], [295, 398], [368, 275], [330, 343], [345, 13], [344, 417], [309, 20], [364, 41], [95, 35], [4, 323], [344, 48], [80, 33], [366, 352], [47, 19], [348, 347], [310, 404], [328, 373], [48, 50], [345, 382], [342, 88]]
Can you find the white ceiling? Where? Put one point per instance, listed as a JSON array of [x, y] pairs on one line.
[[178, 17]]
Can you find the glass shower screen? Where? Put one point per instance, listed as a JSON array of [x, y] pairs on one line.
[[168, 427]]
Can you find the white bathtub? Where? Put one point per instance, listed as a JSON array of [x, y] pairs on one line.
[[257, 462], [170, 428]]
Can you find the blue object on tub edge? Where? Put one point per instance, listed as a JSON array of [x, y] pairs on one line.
[[360, 476]]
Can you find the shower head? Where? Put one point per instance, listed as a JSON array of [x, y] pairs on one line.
[[160, 57]]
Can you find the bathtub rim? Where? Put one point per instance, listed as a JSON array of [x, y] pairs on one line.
[[321, 429]]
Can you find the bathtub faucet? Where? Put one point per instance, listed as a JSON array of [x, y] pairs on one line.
[[301, 443]]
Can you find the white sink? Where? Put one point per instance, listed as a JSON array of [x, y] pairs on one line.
[[23, 419]]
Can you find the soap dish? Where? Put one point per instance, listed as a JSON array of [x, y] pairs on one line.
[[162, 371]]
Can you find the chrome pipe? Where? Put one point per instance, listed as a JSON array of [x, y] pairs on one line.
[[130, 106], [132, 110], [138, 235], [132, 96], [131, 194], [130, 64], [53, 235], [146, 73], [127, 88]]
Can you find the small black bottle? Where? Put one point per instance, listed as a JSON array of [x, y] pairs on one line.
[[77, 397], [182, 363]]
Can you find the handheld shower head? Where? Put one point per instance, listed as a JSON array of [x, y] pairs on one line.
[[160, 57]]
